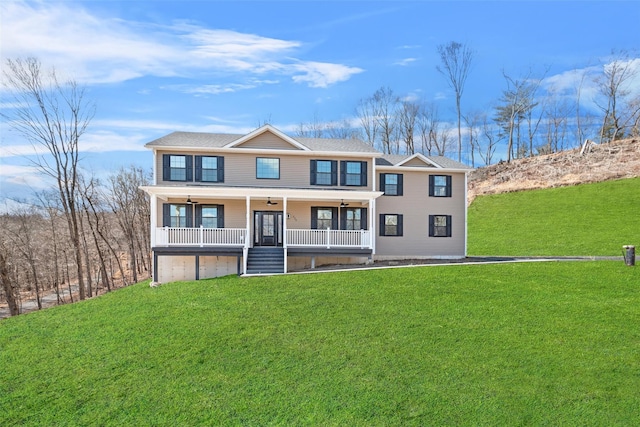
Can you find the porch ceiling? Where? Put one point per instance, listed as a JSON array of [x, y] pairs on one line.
[[165, 192]]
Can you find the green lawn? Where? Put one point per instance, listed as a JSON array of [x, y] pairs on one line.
[[591, 219], [514, 344]]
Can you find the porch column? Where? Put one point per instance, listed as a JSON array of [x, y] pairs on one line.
[[372, 224], [284, 230], [153, 219], [247, 240]]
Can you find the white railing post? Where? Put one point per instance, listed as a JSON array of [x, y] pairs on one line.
[[328, 238], [201, 235]]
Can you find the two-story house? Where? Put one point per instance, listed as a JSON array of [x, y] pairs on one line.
[[266, 202]]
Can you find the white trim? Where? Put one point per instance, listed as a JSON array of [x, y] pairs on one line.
[[399, 169], [264, 129], [309, 153]]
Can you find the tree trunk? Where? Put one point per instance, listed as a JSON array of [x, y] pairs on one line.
[[8, 287]]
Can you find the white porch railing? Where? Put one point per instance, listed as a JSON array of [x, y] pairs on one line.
[[329, 238], [183, 236]]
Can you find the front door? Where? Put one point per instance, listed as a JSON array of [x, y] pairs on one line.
[[267, 228]]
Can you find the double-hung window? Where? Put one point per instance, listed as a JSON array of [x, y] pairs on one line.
[[439, 185], [439, 225], [177, 167], [324, 217], [324, 172], [267, 168], [176, 215], [391, 225], [353, 173], [353, 219], [209, 169], [391, 184], [210, 216]]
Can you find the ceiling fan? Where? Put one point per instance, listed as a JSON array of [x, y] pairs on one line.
[[343, 204], [190, 202], [270, 203]]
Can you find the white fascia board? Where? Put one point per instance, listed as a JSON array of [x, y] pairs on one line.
[[262, 151], [400, 169], [165, 192]]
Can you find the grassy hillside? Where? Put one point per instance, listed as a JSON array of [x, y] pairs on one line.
[[589, 219], [514, 344]]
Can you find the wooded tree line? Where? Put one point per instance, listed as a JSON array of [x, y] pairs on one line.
[[530, 116], [83, 236]]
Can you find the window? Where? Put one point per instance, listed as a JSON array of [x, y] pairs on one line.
[[391, 184], [175, 215], [323, 218], [324, 172], [353, 219], [267, 168], [177, 167], [353, 173], [209, 169], [439, 225], [390, 225], [440, 185]]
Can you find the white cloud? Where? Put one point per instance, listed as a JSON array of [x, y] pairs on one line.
[[103, 49], [406, 61], [28, 176]]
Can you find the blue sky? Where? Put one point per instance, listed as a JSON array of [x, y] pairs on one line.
[[153, 67]]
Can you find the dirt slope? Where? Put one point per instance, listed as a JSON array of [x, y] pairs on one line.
[[620, 159]]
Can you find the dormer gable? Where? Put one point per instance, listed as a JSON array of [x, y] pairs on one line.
[[267, 138]]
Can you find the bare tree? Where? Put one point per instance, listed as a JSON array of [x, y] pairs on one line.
[[52, 116], [487, 148], [456, 59], [408, 117], [613, 85], [8, 282]]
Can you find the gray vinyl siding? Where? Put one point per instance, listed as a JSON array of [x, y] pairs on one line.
[[415, 205], [240, 170]]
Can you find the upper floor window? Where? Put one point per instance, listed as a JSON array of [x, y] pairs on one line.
[[391, 225], [323, 218], [353, 173], [440, 185], [177, 167], [324, 172], [391, 184], [439, 225], [267, 168], [209, 169]]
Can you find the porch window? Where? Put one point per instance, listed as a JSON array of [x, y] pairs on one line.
[[177, 167], [267, 168], [391, 225], [439, 225], [353, 173], [439, 185], [391, 184], [353, 219], [210, 216], [209, 169], [323, 218], [176, 215], [324, 172]]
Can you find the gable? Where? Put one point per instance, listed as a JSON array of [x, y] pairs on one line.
[[418, 161], [267, 141]]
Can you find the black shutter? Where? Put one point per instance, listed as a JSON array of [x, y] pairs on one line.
[[400, 183], [166, 167], [343, 218], [431, 185], [364, 219], [198, 169], [448, 185], [220, 169], [189, 211], [399, 225], [220, 216], [448, 225], [343, 172], [166, 215], [198, 215], [312, 172], [189, 163], [431, 225], [334, 172], [314, 218], [381, 225], [334, 218], [382, 181], [363, 174]]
